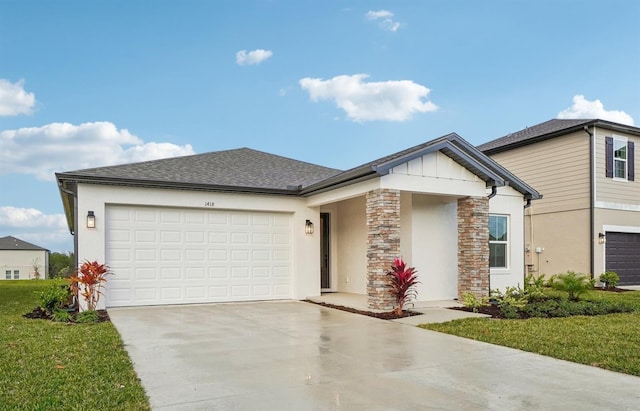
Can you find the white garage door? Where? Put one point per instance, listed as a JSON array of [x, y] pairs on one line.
[[176, 256]]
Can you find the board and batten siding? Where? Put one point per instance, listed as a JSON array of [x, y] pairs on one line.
[[558, 168], [613, 192]]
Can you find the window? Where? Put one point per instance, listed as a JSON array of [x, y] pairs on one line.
[[498, 241], [16, 274], [7, 274], [620, 158]]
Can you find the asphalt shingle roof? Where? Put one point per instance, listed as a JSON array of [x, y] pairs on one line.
[[529, 133], [12, 243], [241, 167]]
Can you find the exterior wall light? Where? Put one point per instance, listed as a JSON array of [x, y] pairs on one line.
[[308, 227], [91, 220], [602, 238]]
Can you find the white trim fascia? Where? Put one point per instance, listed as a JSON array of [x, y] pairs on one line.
[[617, 206], [621, 229]]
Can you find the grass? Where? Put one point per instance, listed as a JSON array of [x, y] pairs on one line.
[[56, 366], [607, 341]]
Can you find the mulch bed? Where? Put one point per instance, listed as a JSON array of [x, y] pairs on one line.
[[390, 315], [613, 290], [39, 314]]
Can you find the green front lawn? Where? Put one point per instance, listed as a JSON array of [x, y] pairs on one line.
[[55, 366], [606, 341]]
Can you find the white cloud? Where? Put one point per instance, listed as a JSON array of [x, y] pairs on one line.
[[14, 100], [384, 19], [244, 58], [583, 108], [41, 151], [25, 218], [45, 230], [384, 100]]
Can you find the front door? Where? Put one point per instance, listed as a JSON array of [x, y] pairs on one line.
[[325, 275]]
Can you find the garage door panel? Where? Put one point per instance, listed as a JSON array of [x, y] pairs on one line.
[[622, 252], [172, 256]]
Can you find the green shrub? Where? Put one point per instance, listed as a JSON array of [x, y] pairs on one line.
[[61, 316], [513, 296], [610, 279], [89, 316], [470, 300], [510, 312], [55, 296], [534, 287], [572, 283], [560, 307]]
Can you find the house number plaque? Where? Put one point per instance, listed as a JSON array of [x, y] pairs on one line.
[[209, 204]]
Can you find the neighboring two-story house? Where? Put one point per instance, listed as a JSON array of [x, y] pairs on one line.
[[20, 260], [589, 217]]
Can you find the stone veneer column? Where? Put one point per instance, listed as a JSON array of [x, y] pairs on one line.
[[473, 246], [383, 245]]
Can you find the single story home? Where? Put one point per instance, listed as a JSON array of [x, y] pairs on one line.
[[243, 225], [20, 260]]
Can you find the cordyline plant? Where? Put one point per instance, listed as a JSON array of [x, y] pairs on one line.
[[403, 282], [89, 281]]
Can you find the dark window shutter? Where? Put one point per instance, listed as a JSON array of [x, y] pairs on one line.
[[608, 145], [630, 159]]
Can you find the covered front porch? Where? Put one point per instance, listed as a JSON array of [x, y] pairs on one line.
[[429, 205]]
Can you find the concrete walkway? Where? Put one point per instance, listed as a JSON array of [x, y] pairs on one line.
[[300, 356], [432, 311]]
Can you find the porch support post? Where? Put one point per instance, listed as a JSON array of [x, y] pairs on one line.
[[473, 246], [383, 245]]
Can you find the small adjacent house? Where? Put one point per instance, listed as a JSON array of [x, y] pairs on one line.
[[243, 225], [20, 260], [589, 218]]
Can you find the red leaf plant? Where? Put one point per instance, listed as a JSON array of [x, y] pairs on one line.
[[403, 282], [89, 281]]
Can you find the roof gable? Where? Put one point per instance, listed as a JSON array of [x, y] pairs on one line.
[[13, 243], [451, 145]]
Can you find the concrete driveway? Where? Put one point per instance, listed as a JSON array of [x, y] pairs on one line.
[[300, 356]]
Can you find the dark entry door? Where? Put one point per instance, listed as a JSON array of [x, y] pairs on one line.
[[325, 275]]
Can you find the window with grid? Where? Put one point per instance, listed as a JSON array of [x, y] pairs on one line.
[[498, 241]]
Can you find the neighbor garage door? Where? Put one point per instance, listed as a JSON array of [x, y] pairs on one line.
[[176, 256], [623, 256]]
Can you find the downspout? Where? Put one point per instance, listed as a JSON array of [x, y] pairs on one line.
[[75, 223], [494, 191], [591, 202]]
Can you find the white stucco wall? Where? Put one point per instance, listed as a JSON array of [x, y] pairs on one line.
[[435, 247], [509, 202], [352, 246], [306, 248], [22, 260]]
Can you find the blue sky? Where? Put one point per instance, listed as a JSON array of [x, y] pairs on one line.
[[337, 83]]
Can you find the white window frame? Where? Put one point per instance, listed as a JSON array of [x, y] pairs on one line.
[[623, 141], [506, 243], [7, 274], [16, 274]]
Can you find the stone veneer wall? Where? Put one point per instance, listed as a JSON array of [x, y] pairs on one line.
[[473, 246], [383, 245]]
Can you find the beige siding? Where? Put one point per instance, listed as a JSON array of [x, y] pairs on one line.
[[563, 239], [557, 168], [612, 192]]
